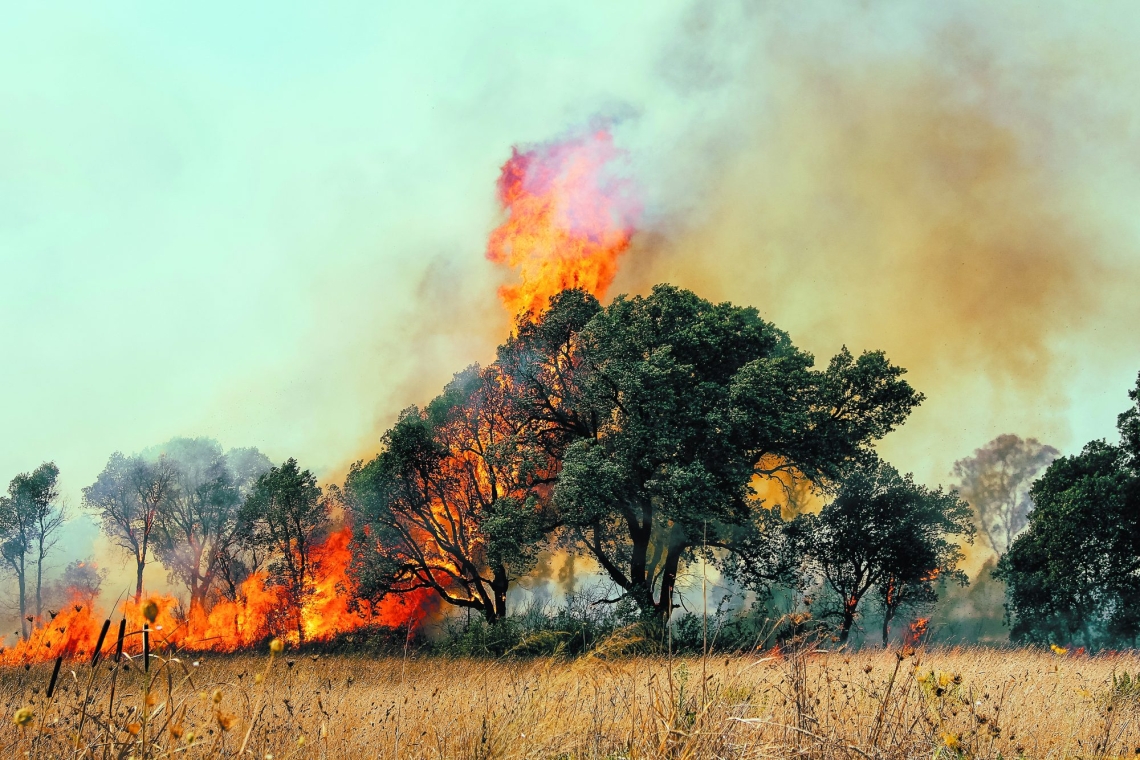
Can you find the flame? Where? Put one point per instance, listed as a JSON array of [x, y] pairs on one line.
[[917, 631], [570, 216], [261, 610]]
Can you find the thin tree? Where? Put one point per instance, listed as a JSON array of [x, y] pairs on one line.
[[996, 481], [17, 539], [286, 513], [32, 515], [128, 496]]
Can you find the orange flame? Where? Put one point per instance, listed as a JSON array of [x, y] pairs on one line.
[[570, 215], [262, 610], [917, 631]]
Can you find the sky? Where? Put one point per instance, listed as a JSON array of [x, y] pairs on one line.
[[265, 222]]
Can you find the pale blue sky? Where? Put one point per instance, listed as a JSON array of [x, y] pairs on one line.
[[264, 222]]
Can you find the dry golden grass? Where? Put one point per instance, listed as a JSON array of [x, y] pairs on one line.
[[872, 704]]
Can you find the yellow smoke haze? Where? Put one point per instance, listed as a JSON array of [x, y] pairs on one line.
[[935, 198]]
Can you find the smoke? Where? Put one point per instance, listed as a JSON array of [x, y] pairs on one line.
[[910, 181]]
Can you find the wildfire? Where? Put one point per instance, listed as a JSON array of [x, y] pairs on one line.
[[262, 609], [570, 216], [917, 631]]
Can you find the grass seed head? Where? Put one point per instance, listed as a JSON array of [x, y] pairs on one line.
[[24, 716]]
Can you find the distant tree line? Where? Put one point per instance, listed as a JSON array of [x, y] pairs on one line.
[[210, 518], [213, 518]]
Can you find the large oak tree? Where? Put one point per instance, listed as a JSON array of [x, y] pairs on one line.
[[667, 407], [651, 417]]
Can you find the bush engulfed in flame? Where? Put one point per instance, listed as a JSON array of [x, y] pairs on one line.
[[570, 215], [262, 610]]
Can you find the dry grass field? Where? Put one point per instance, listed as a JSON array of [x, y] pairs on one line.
[[820, 704]]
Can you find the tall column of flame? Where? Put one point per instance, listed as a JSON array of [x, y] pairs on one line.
[[571, 212]]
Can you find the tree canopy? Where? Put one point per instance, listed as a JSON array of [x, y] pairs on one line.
[[886, 534], [1074, 573], [179, 502], [456, 502], [693, 400], [996, 481], [127, 496], [634, 432]]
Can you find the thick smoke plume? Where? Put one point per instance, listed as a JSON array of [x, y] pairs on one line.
[[909, 182]]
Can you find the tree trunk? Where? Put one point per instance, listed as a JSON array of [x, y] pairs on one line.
[[499, 585], [139, 565], [639, 571], [21, 577], [489, 614], [848, 620], [298, 605], [141, 560], [888, 615], [197, 601], [669, 582], [40, 583]]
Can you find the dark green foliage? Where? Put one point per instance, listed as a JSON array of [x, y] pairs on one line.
[[1074, 574], [633, 432], [677, 404], [884, 533], [286, 514]]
